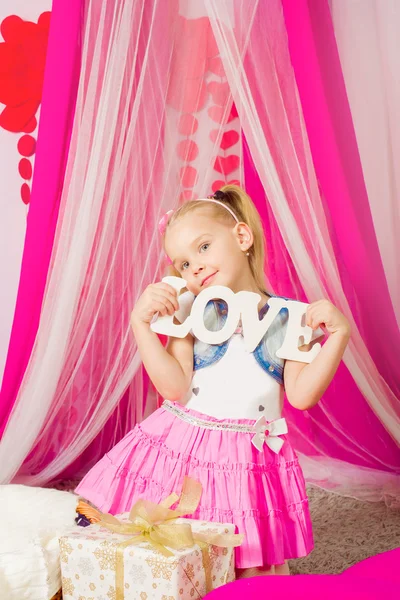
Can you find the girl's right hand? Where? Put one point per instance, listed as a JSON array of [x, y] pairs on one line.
[[157, 298]]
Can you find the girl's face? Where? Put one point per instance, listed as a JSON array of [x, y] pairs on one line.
[[206, 251]]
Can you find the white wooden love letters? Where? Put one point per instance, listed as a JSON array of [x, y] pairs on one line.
[[242, 305]]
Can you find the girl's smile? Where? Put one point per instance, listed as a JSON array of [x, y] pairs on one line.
[[207, 280]]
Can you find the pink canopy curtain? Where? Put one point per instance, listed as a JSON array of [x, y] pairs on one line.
[[351, 412], [367, 36], [336, 159], [62, 67], [271, 115], [312, 430], [333, 145]]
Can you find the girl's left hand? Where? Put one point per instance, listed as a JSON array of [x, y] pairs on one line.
[[326, 314]]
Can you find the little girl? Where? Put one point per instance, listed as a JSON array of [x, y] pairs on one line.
[[214, 394]]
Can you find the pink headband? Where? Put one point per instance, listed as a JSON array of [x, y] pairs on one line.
[[162, 225]]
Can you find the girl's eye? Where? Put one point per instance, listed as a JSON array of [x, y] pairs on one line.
[[184, 265], [204, 247]]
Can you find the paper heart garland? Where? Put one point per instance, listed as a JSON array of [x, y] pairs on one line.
[[227, 164], [217, 114], [228, 139], [217, 185], [219, 92]]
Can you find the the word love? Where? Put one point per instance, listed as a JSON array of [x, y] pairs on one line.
[[242, 305]]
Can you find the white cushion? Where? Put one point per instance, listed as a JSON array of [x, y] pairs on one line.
[[31, 520]]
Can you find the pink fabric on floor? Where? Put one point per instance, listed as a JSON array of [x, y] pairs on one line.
[[370, 579], [384, 566], [262, 493], [307, 587]]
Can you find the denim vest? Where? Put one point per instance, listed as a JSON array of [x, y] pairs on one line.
[[215, 316]]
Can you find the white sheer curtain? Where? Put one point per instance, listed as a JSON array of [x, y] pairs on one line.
[[255, 118], [367, 35], [268, 113], [123, 173]]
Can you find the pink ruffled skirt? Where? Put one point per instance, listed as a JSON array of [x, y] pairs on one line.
[[262, 493]]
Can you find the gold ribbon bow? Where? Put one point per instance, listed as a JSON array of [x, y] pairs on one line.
[[156, 524]]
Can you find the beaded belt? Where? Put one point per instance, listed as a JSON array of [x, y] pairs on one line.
[[265, 432]]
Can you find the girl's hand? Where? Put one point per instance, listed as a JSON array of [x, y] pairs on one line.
[[157, 298], [326, 314]]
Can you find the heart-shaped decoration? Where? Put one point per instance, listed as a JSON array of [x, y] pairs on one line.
[[215, 66], [188, 176], [217, 114], [228, 139], [261, 408], [227, 164], [219, 92], [234, 113], [188, 124], [217, 185], [195, 391], [187, 150]]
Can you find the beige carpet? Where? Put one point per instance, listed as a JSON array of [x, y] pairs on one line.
[[346, 531]]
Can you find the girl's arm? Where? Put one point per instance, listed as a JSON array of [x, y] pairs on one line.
[[306, 383], [169, 369]]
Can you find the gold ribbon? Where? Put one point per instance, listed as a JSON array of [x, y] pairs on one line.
[[156, 524]]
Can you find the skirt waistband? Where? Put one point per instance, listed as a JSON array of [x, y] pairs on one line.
[[216, 425], [264, 432]]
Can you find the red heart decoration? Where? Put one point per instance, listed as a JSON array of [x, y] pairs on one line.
[[228, 139], [216, 113], [188, 124], [215, 66], [26, 145], [25, 193], [188, 176], [227, 164], [25, 168], [187, 150], [217, 185], [234, 113], [219, 92]]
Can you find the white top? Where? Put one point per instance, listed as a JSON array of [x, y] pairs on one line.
[[236, 387]]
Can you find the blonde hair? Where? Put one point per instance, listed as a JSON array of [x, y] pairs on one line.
[[242, 205]]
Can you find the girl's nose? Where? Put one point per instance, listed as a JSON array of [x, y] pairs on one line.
[[197, 269]]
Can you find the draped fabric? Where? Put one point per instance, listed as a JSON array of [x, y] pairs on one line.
[[155, 125], [52, 149], [340, 177], [132, 94], [270, 113], [368, 43], [24, 28]]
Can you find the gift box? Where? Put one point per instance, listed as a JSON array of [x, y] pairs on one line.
[[151, 553], [89, 556]]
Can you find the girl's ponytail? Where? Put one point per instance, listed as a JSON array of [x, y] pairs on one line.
[[243, 207]]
